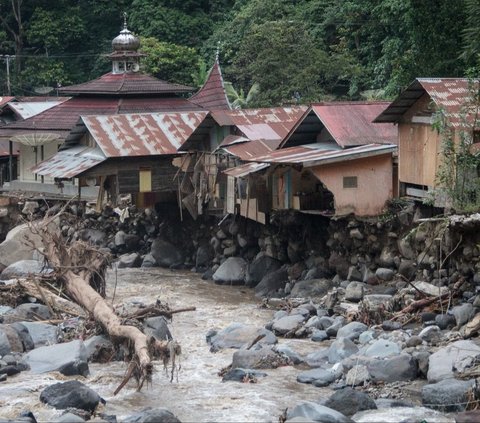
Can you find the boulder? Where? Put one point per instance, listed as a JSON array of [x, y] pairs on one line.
[[319, 376], [448, 394], [27, 311], [42, 333], [288, 352], [158, 328], [383, 348], [204, 255], [401, 367], [165, 253], [68, 358], [357, 375], [259, 268], [340, 349], [352, 330], [24, 335], [463, 313], [456, 356], [374, 302], [71, 394], [231, 271], [384, 274], [401, 414], [129, 260], [93, 236], [348, 401], [271, 283], [24, 268], [149, 261], [354, 291], [99, 348], [242, 375], [430, 289], [238, 335], [152, 415], [316, 412], [288, 324], [311, 288], [254, 359]]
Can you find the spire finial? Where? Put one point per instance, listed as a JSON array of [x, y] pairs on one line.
[[217, 53], [124, 20]]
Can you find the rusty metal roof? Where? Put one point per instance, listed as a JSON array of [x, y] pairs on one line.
[[5, 100], [125, 84], [245, 169], [453, 95], [261, 124], [70, 163], [247, 150], [212, 95], [142, 134], [310, 155], [233, 139], [350, 123]]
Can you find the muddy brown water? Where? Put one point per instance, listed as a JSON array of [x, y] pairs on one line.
[[198, 394]]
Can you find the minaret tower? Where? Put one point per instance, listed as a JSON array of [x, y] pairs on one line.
[[125, 56]]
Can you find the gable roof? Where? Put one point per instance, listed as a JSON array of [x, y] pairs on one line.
[[5, 100], [449, 94], [212, 95], [28, 109], [142, 134], [351, 123], [129, 83]]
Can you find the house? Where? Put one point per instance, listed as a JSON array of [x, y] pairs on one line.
[[124, 90], [334, 161], [416, 111]]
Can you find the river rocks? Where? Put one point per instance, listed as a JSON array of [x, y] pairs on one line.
[[20, 244], [129, 260], [27, 311], [99, 349], [24, 335], [340, 349], [41, 333], [242, 375], [357, 375], [462, 313], [152, 415], [348, 401], [24, 268], [271, 283], [238, 335], [401, 414], [384, 274], [69, 358], [93, 236], [262, 358], [231, 271], [166, 254], [373, 302], [311, 288], [71, 394], [259, 268], [354, 291], [288, 324], [448, 394], [352, 330], [455, 356], [382, 348], [317, 413], [392, 369], [158, 328], [318, 376]]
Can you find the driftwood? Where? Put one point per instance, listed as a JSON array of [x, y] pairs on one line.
[[81, 268]]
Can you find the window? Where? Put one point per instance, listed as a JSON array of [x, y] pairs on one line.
[[350, 182], [145, 180]]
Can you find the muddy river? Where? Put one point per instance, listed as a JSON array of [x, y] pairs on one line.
[[199, 394]]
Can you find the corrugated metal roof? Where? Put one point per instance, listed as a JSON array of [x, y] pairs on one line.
[[212, 95], [350, 123], [247, 150], [29, 109], [5, 100], [125, 84], [70, 163], [308, 155], [142, 134], [233, 139], [245, 169], [261, 124], [453, 95]]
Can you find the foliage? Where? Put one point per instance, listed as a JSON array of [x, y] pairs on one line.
[[238, 99], [168, 61], [457, 176], [199, 76]]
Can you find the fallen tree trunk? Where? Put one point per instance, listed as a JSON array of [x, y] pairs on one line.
[[81, 270]]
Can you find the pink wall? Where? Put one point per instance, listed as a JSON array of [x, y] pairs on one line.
[[374, 184]]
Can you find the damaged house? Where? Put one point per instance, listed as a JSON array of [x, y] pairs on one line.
[[335, 161]]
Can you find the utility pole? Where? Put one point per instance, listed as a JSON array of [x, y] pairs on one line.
[[7, 58]]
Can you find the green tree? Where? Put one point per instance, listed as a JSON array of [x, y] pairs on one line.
[[169, 61], [238, 99]]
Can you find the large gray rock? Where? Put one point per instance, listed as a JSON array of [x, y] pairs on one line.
[[402, 367], [316, 412], [259, 268], [286, 351], [456, 356], [93, 236], [271, 283], [4, 344], [24, 268], [165, 253], [311, 288], [71, 394], [129, 260], [357, 375], [348, 401], [27, 311], [238, 335], [340, 349], [158, 328], [42, 333], [204, 255], [374, 302], [382, 348], [318, 377], [402, 414], [463, 313], [69, 358], [354, 291], [288, 324], [255, 359], [231, 271], [384, 274], [152, 415], [317, 358], [448, 394], [98, 348], [352, 330], [24, 336]]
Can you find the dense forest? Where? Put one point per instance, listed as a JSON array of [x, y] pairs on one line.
[[271, 51]]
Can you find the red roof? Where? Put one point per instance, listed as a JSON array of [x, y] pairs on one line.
[[5, 100], [212, 95], [62, 118], [262, 124], [350, 123], [125, 84], [142, 134], [452, 95]]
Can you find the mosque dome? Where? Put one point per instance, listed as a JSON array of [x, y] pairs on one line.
[[126, 40]]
